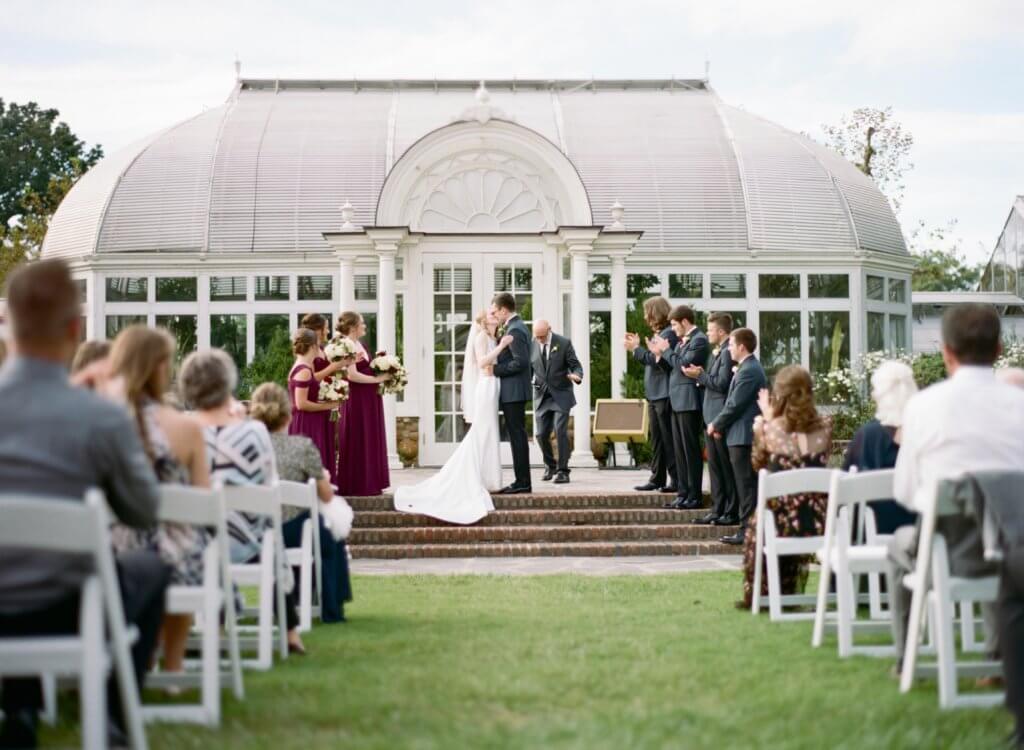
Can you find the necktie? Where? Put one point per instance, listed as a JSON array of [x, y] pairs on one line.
[[545, 355]]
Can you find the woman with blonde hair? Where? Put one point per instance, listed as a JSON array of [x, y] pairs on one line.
[[139, 375], [877, 443], [789, 434]]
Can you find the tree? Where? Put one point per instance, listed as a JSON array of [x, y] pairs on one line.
[[941, 266], [877, 145]]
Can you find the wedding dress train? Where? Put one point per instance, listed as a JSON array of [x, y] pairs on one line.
[[460, 491]]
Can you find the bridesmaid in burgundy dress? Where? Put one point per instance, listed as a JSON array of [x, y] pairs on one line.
[[311, 416], [363, 453], [322, 368]]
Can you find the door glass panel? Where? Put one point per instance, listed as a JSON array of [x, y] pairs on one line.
[[452, 315]]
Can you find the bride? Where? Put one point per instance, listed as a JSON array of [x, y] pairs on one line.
[[460, 491]]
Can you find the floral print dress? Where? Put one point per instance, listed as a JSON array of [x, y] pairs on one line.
[[776, 449]]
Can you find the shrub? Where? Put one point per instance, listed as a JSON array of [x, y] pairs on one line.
[[268, 366]]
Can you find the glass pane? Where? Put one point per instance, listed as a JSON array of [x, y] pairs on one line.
[[524, 306], [828, 285], [462, 279], [567, 314], [600, 285], [444, 398], [897, 290], [177, 289], [524, 279], [117, 323], [327, 316], [778, 285], [227, 332], [272, 287], [370, 339], [462, 308], [266, 327], [779, 340], [442, 308], [443, 428], [459, 361], [442, 338], [875, 288], [462, 337], [444, 368], [566, 268], [642, 285], [600, 356], [316, 287], [686, 285], [739, 318], [461, 428], [366, 286], [228, 288], [400, 334], [898, 332], [876, 332], [502, 279], [183, 328], [83, 290], [442, 279], [127, 289], [729, 285], [830, 341]]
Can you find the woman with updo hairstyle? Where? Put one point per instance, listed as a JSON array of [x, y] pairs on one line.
[[298, 460], [789, 434], [311, 416], [362, 445]]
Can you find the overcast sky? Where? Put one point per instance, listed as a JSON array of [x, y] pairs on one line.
[[951, 69]]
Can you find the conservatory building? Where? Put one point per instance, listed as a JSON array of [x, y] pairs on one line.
[[414, 201]]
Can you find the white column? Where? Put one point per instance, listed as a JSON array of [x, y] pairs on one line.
[[346, 283], [95, 324], [203, 312], [618, 322], [858, 315], [386, 339], [582, 455]]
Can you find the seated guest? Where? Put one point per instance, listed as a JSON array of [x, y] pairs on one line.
[[59, 441], [969, 422], [298, 460], [735, 422], [877, 443], [789, 434], [239, 452], [140, 374]]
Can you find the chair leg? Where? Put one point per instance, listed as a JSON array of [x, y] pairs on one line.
[[49, 712], [945, 648], [92, 691], [846, 607], [306, 579], [210, 690]]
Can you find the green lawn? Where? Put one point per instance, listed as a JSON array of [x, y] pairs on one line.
[[574, 662]]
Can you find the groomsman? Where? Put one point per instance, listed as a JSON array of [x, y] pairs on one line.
[[555, 371], [659, 410], [736, 422], [692, 349], [714, 383]]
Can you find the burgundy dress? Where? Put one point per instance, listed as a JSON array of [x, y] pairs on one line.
[[363, 450], [316, 425]]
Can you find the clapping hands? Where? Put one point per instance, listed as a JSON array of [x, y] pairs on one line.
[[764, 402], [658, 344], [631, 342]]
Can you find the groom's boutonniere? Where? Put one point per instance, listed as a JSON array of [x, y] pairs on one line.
[[735, 368], [501, 331], [554, 349], [715, 351]]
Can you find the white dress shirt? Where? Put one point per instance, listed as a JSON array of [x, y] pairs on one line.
[[970, 422]]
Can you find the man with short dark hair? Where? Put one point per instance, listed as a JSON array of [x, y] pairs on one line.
[[59, 441], [514, 374], [736, 422]]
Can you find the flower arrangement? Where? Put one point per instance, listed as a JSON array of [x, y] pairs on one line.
[[340, 347], [334, 388], [388, 364]]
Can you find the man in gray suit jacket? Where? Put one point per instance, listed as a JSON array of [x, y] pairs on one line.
[[555, 371], [736, 422], [692, 348], [513, 370], [714, 384], [59, 441]]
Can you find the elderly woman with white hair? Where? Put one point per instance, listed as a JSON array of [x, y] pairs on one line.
[[876, 444]]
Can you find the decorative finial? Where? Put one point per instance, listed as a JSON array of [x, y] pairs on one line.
[[347, 214], [483, 96], [617, 212], [483, 111]]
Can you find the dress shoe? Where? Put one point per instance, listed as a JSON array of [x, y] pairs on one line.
[[735, 539], [678, 504], [649, 487], [515, 489], [670, 489], [562, 478], [706, 520], [693, 504], [726, 521], [297, 648], [116, 737], [548, 473], [19, 729]]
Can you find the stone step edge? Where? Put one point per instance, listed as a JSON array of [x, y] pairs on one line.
[[385, 519], [559, 549]]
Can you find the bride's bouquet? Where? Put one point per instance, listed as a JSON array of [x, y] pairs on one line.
[[387, 364], [339, 348]]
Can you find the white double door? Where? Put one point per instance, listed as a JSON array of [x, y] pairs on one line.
[[454, 288]]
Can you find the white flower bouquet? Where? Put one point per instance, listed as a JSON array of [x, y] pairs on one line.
[[339, 348], [334, 388], [388, 364]]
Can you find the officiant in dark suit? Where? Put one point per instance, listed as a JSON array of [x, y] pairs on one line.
[[556, 370]]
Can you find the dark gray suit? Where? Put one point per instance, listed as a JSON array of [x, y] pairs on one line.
[[686, 412], [553, 397], [714, 383], [659, 411], [736, 423], [513, 370]]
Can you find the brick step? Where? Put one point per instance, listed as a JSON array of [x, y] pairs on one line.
[[483, 535], [571, 549], [538, 517], [543, 501]]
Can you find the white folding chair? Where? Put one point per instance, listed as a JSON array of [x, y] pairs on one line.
[[874, 539], [303, 495], [103, 641], [934, 587], [264, 500], [771, 546], [199, 507], [848, 561]]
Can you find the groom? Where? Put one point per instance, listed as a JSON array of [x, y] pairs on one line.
[[513, 368]]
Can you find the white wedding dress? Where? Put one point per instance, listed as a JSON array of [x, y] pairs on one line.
[[460, 491]]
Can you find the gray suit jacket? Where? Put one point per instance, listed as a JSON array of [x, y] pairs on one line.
[[714, 382], [59, 441], [682, 389], [736, 420], [513, 365], [552, 389], [656, 371]]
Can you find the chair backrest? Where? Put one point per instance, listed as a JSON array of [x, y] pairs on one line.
[[864, 486], [261, 499], [51, 523], [781, 483], [192, 505], [299, 494]]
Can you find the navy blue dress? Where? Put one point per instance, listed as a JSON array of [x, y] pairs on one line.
[[874, 447]]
